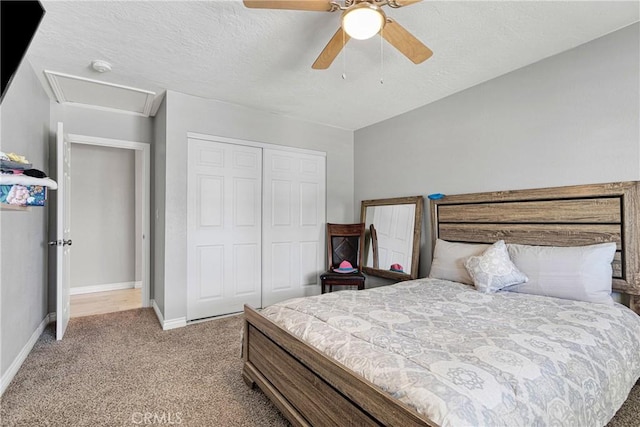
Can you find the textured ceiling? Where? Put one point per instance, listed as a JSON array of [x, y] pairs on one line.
[[262, 58]]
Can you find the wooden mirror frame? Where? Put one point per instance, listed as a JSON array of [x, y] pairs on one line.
[[418, 201]]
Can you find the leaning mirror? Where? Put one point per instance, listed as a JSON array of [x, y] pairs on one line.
[[392, 245]]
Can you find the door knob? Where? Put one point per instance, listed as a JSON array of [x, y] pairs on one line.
[[67, 242], [54, 243]]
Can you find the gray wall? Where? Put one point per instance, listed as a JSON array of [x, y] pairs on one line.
[[102, 215], [192, 114], [139, 212], [573, 118], [158, 172], [23, 275]]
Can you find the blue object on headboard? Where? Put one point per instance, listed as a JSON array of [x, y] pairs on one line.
[[435, 196]]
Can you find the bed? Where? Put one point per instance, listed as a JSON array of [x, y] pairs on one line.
[[470, 381]]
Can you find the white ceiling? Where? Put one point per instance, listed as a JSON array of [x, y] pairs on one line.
[[262, 58]]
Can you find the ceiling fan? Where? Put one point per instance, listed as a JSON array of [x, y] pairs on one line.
[[361, 19]]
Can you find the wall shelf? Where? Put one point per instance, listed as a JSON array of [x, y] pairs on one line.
[[7, 207]]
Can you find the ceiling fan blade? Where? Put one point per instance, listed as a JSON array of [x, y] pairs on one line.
[[402, 3], [405, 42], [331, 50], [312, 5]]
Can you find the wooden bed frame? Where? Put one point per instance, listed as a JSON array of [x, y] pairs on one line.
[[310, 388], [562, 216]]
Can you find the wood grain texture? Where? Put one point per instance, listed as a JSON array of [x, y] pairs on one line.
[[617, 265], [404, 3], [634, 303], [253, 376], [367, 397], [597, 210], [533, 234], [588, 191], [405, 42], [631, 231], [560, 216], [418, 201], [331, 50], [623, 286], [309, 5], [320, 403]]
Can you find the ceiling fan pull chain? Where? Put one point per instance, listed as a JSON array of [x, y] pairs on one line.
[[344, 57], [381, 57]]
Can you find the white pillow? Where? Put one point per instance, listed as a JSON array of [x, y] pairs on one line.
[[580, 273], [449, 258], [493, 270]]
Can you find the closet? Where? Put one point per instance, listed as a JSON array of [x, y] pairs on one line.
[[255, 224]]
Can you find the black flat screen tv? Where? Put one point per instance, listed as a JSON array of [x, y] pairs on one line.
[[19, 20]]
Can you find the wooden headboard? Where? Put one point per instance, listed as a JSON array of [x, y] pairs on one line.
[[562, 216]]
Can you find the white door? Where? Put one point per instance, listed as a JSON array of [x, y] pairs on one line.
[[63, 232], [223, 228], [394, 226], [293, 225]]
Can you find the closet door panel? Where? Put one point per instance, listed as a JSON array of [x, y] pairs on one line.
[[309, 255], [246, 269], [294, 224], [281, 256], [209, 202], [224, 228], [209, 267]]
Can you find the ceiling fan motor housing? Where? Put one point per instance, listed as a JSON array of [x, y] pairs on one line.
[[363, 20]]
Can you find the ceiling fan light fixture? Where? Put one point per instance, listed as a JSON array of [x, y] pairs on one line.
[[363, 20]]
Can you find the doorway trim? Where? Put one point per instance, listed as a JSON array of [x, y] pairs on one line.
[[142, 149]]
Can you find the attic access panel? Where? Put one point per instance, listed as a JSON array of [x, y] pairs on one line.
[[70, 89]]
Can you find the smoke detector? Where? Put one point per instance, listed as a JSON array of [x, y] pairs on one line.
[[101, 66]]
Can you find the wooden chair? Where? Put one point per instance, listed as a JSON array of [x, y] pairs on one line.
[[345, 242]]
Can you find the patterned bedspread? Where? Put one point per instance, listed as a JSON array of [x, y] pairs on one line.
[[464, 358]]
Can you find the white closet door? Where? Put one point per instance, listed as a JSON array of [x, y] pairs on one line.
[[293, 225], [223, 228], [395, 235]]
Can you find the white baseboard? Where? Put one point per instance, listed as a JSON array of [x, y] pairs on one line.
[[156, 309], [11, 372], [104, 288], [179, 322], [168, 324], [138, 284], [22, 356]]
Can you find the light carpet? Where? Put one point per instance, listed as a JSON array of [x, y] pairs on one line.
[[122, 369]]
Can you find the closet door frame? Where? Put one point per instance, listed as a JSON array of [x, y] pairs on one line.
[[226, 140], [263, 145]]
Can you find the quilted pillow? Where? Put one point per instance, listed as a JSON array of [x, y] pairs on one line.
[[449, 258], [493, 270], [581, 273]]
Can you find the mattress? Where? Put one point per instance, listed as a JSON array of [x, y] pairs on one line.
[[464, 358]]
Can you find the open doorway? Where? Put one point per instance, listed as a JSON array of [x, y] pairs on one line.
[[109, 217]]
